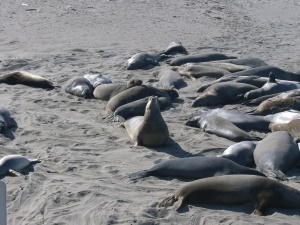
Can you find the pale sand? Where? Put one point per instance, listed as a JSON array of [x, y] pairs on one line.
[[85, 162]]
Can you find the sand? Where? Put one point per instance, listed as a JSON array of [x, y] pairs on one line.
[[85, 161]]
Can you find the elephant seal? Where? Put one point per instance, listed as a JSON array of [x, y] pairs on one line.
[[292, 127], [143, 59], [136, 93], [240, 153], [241, 120], [13, 164], [222, 93], [251, 62], [278, 105], [283, 117], [6, 121], [193, 71], [198, 58], [235, 190], [195, 168], [230, 67], [272, 87], [105, 92], [169, 78], [175, 47], [79, 86], [97, 79], [252, 80], [25, 78], [276, 154], [137, 108], [219, 126], [148, 130], [264, 71]]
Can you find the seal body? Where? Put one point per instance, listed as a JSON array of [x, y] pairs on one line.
[[195, 168], [25, 78], [283, 117], [260, 191], [143, 59], [97, 79], [105, 92], [230, 67], [79, 86], [292, 127], [276, 154], [175, 47], [169, 78], [148, 130], [251, 62], [240, 153], [222, 93], [6, 121]]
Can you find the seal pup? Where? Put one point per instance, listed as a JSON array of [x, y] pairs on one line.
[[6, 121], [169, 78], [13, 164], [272, 87], [292, 127], [193, 71], [143, 59], [276, 154], [236, 190], [105, 92], [219, 126], [240, 153], [283, 117], [97, 79], [198, 58], [195, 168], [79, 86], [222, 93], [25, 78], [149, 130], [135, 93], [175, 47]]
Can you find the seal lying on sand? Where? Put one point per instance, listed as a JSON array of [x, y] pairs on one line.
[[148, 130], [195, 168], [6, 121], [79, 86], [143, 59], [283, 117], [175, 47], [251, 62], [136, 93], [292, 127], [25, 78], [222, 93], [169, 78], [235, 190], [107, 91], [97, 79], [276, 154], [219, 126], [13, 164], [230, 67], [240, 153]]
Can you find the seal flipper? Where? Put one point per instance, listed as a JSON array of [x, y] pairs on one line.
[[14, 173], [139, 175], [167, 201], [261, 208], [275, 174]]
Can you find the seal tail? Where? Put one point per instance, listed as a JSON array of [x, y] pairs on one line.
[[34, 161], [139, 175], [276, 174]]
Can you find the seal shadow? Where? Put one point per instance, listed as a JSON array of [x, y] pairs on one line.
[[174, 149]]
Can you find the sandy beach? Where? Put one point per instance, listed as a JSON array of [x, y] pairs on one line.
[[83, 176]]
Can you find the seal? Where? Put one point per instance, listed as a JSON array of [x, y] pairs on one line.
[[175, 47], [264, 71], [148, 130], [292, 127], [241, 120], [137, 108], [136, 93], [240, 153], [276, 154], [169, 78], [226, 66], [143, 59], [195, 168], [25, 78], [272, 87], [193, 71], [13, 164], [198, 58], [219, 126], [283, 117], [105, 92], [251, 62], [97, 79], [6, 121], [235, 190], [79, 86], [222, 93]]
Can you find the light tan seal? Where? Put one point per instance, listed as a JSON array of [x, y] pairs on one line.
[[236, 190], [148, 130], [293, 127]]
